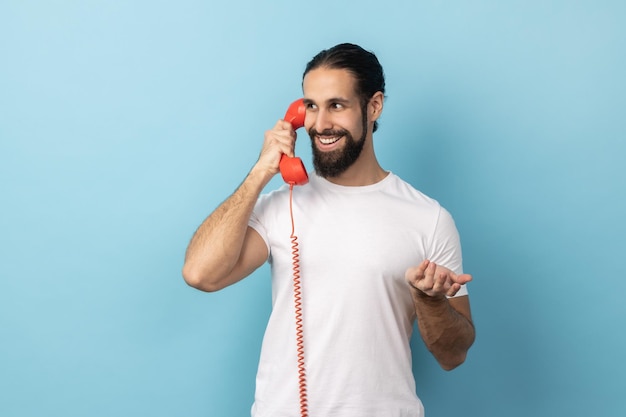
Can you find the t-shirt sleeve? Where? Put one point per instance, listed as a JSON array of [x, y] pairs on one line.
[[446, 246], [256, 220]]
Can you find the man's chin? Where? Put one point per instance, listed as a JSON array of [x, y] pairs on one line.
[[328, 169]]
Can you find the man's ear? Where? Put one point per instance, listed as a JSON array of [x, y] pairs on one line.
[[375, 106]]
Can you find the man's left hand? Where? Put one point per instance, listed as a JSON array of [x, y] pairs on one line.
[[435, 281]]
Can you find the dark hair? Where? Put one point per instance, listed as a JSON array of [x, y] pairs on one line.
[[362, 64]]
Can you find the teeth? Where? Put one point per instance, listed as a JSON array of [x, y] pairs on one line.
[[328, 141]]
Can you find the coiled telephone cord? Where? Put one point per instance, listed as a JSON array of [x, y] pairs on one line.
[[297, 295]]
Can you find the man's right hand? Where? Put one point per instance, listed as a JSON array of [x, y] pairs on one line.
[[278, 141]]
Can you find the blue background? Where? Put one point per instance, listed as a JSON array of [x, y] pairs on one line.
[[124, 123]]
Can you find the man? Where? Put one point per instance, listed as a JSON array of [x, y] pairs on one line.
[[374, 255]]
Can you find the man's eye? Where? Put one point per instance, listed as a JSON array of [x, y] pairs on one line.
[[336, 106]]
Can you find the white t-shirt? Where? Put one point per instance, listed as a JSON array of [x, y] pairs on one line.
[[355, 245]]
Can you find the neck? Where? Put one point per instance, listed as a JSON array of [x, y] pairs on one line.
[[365, 171]]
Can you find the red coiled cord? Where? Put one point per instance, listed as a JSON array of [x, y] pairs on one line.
[[297, 296]]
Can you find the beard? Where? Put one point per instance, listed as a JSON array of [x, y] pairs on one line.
[[334, 163]]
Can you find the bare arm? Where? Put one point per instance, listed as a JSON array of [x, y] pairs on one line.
[[215, 256], [224, 249], [445, 324]]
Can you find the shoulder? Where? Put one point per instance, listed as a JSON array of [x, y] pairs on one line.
[[401, 189], [272, 197]]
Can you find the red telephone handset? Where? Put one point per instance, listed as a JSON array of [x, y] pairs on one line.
[[292, 169]]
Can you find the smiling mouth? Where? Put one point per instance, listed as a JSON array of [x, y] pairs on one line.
[[328, 140]]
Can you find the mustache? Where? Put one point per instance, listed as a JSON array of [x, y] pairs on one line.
[[327, 132]]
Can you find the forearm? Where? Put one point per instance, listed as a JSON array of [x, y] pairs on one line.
[[447, 333], [216, 245]]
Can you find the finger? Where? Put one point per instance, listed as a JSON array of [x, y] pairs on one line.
[[463, 278], [442, 283], [281, 139], [453, 290], [283, 125], [429, 276], [422, 277], [439, 282], [416, 273], [424, 264]]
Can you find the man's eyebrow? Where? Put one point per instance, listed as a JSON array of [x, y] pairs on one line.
[[341, 100]]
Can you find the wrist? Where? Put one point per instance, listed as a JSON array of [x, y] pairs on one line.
[[423, 297], [258, 176]]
